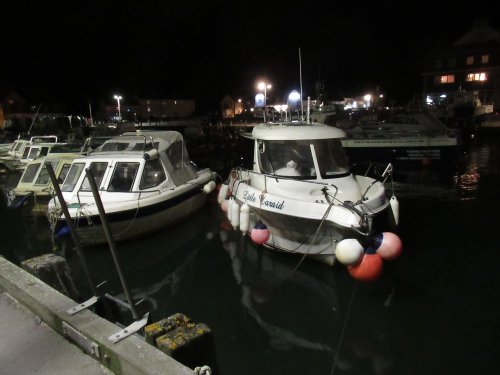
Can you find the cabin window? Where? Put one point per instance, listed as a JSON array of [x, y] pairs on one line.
[[43, 177], [72, 178], [287, 158], [123, 177], [26, 152], [17, 146], [469, 60], [98, 169], [30, 173], [176, 155], [485, 59], [33, 154], [63, 173], [331, 158], [153, 174], [114, 146], [43, 152]]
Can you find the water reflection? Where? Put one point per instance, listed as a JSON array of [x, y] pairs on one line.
[[305, 307]]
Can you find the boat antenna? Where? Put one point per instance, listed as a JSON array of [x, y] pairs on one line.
[[34, 118], [301, 102], [90, 111]]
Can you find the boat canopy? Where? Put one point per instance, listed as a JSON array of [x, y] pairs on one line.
[[296, 131], [169, 145]]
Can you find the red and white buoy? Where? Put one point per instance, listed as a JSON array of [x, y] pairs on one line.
[[388, 245], [260, 233]]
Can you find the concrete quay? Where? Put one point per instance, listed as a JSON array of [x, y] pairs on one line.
[[34, 335]]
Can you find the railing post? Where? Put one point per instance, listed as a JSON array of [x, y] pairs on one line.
[[71, 227], [111, 242]]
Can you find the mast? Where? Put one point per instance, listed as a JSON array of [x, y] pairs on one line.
[[90, 111], [301, 103], [34, 118]]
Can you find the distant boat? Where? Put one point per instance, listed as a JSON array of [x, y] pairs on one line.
[[34, 188], [403, 138], [146, 181], [23, 150]]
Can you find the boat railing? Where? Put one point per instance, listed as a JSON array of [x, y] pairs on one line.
[[43, 139]]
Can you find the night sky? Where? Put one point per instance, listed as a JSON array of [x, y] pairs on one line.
[[203, 50]]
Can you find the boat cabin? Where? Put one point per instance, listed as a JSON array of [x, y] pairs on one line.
[[300, 151], [133, 162]]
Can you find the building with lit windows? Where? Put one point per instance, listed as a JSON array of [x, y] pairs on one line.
[[467, 71]]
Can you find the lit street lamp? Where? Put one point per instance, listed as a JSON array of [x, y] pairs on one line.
[[118, 98], [264, 86]]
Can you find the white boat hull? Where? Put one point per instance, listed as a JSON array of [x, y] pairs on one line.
[[312, 227], [136, 217]]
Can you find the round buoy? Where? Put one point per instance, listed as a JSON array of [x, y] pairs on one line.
[[235, 215], [260, 233], [244, 218], [349, 251], [370, 267], [222, 193], [388, 245], [209, 187]]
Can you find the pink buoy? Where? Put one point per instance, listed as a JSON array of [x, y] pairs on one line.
[[388, 245], [370, 267], [260, 233]]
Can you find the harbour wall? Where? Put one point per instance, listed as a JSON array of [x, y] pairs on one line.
[[132, 355]]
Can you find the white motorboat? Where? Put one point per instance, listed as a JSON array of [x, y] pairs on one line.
[[23, 151], [302, 191], [145, 180], [34, 189]]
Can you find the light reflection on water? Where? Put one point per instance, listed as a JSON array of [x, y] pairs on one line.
[[433, 307]]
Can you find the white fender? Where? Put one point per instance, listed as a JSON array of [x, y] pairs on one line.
[[395, 208]]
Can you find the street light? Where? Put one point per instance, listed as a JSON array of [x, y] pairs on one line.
[[118, 98], [264, 86]]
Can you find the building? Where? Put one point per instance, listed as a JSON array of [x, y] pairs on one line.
[[470, 65]]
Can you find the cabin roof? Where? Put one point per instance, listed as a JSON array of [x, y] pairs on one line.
[[296, 131]]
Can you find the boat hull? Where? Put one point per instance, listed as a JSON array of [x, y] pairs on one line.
[[310, 229], [148, 215]]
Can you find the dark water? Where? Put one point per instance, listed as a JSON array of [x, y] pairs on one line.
[[434, 311]]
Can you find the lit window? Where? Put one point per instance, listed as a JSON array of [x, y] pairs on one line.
[[476, 77], [485, 59], [450, 78], [470, 60]]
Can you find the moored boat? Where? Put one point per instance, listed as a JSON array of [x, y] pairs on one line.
[[145, 180], [302, 192], [404, 138]]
